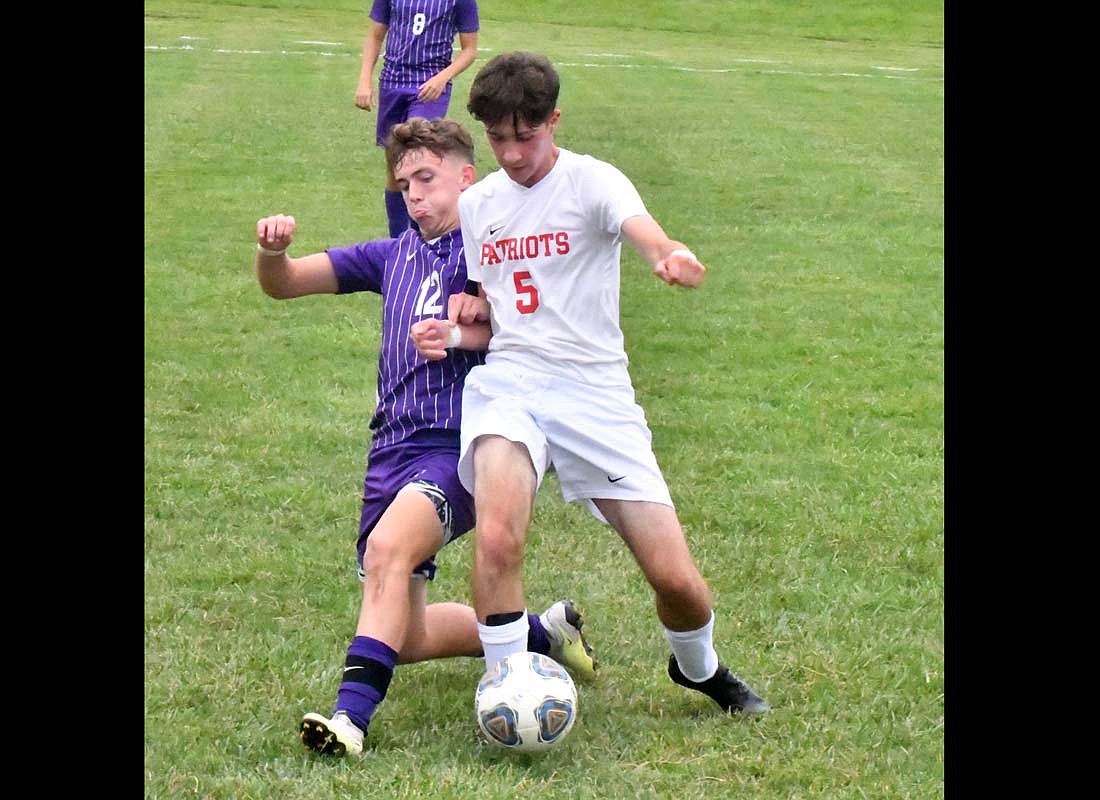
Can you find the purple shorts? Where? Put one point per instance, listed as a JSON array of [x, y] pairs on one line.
[[398, 105], [431, 457]]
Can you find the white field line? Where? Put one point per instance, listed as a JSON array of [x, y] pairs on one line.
[[334, 44], [737, 69], [589, 65], [279, 52], [822, 74], [249, 52], [737, 60]]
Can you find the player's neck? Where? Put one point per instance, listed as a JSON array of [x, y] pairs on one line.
[[431, 237], [547, 168]]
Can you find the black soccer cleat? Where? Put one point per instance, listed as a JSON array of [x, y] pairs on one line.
[[724, 688]]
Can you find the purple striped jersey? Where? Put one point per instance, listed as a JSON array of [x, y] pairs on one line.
[[415, 278], [420, 37]]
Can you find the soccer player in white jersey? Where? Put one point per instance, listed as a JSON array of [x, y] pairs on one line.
[[413, 503], [543, 236]]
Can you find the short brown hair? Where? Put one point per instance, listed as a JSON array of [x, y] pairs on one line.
[[517, 85], [441, 136]]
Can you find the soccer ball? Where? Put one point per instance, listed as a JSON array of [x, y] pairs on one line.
[[526, 702]]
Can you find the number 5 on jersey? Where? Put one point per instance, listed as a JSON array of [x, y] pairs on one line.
[[528, 296]]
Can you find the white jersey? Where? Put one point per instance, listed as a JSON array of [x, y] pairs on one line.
[[548, 259]]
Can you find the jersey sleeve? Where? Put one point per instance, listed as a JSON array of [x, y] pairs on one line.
[[466, 20], [470, 250], [361, 267], [612, 196], [380, 12]]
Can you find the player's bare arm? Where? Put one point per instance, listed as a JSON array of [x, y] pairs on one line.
[[281, 276], [671, 260], [372, 46], [467, 309], [432, 88], [432, 337]]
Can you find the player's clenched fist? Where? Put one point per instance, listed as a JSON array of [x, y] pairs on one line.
[[276, 232], [430, 337], [680, 268]]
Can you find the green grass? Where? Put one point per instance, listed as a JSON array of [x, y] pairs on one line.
[[796, 403]]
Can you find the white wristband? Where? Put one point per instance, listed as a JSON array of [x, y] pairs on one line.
[[267, 252], [682, 252], [454, 338]]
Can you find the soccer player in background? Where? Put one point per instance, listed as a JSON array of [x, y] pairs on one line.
[[417, 69], [413, 503], [543, 237]]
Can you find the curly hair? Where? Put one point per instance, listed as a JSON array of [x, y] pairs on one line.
[[443, 137]]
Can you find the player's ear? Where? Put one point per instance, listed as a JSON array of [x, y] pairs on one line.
[[469, 175]]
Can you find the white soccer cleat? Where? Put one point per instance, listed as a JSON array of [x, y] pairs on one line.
[[334, 737], [568, 646]]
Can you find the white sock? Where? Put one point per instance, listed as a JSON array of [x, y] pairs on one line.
[[500, 641], [694, 651]]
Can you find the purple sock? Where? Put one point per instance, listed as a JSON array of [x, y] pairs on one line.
[[396, 213], [369, 666], [537, 640]]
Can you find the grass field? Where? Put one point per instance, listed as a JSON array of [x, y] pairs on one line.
[[796, 403]]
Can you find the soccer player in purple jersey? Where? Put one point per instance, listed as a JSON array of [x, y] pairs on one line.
[[417, 69], [413, 502]]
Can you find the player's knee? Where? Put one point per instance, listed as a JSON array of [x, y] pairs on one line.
[[384, 555], [498, 546], [680, 588]]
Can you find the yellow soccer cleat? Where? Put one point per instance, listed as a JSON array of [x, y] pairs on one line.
[[568, 646]]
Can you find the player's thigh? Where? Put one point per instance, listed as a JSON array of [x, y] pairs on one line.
[[436, 475], [494, 405], [506, 483], [654, 536], [408, 533]]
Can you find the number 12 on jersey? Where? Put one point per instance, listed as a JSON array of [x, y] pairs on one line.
[[429, 303]]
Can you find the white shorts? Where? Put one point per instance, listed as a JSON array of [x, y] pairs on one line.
[[595, 437]]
